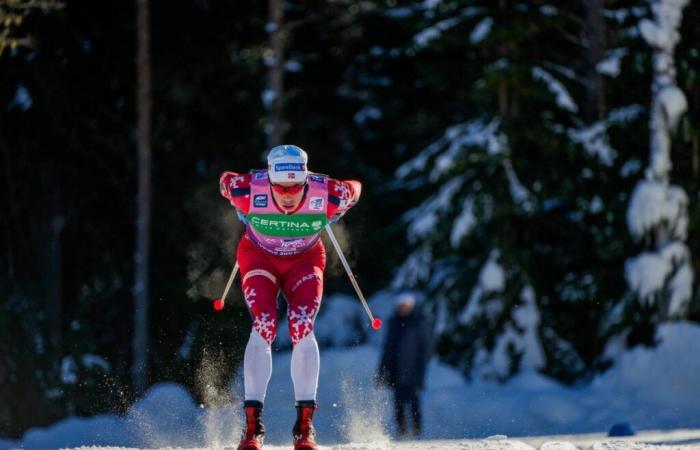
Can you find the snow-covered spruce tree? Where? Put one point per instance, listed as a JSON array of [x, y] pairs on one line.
[[468, 257], [517, 185], [660, 278], [687, 153], [472, 232]]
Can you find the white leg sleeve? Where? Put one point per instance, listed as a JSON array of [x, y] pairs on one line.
[[305, 367], [257, 367]]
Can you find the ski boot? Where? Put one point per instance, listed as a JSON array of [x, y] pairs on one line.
[[304, 433], [254, 429]]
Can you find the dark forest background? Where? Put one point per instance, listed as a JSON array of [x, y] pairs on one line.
[[362, 95]]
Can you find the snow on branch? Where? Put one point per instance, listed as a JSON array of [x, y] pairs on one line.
[[459, 138], [424, 218], [481, 30], [435, 31], [653, 205], [419, 162], [527, 318], [423, 38], [492, 280], [562, 96], [520, 336], [610, 64], [520, 195], [366, 114], [594, 137], [430, 4], [464, 223], [399, 13], [648, 273], [549, 10], [594, 140], [456, 140], [492, 277], [623, 14], [624, 114]]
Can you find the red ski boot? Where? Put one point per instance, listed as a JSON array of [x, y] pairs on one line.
[[254, 430], [304, 433]]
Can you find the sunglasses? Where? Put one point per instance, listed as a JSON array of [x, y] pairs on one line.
[[289, 190]]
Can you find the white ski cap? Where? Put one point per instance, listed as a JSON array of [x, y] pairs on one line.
[[287, 163]]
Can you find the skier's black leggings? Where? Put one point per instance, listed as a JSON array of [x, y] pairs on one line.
[[407, 397]]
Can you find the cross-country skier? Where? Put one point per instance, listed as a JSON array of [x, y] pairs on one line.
[[284, 209]]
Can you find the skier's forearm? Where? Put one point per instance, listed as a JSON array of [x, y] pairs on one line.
[[225, 183], [236, 188], [343, 195]]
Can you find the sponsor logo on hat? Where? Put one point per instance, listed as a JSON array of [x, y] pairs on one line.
[[291, 175], [316, 203], [288, 167], [260, 201]]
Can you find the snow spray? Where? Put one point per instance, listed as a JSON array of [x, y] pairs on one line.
[[364, 420], [220, 417]]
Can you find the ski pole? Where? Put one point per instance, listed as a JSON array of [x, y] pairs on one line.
[[376, 321], [219, 302]]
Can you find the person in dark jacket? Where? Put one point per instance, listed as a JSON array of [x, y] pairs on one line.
[[404, 361]]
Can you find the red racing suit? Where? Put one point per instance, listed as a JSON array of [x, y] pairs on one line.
[[299, 276]]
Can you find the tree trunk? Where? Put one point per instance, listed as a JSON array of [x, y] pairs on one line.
[[53, 283], [9, 213], [276, 125], [503, 88], [46, 233], [695, 148], [694, 144], [664, 116], [140, 341], [594, 31]]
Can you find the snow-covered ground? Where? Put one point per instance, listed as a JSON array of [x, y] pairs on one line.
[[648, 389]]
